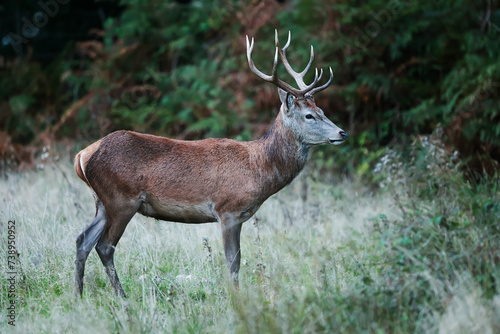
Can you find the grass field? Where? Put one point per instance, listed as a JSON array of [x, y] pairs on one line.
[[321, 256]]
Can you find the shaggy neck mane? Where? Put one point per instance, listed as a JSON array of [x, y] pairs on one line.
[[282, 154]]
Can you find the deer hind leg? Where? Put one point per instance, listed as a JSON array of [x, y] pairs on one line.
[[231, 230], [85, 242], [117, 221]]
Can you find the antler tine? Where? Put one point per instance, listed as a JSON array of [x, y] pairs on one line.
[[317, 78], [276, 40], [320, 74], [273, 78], [274, 74], [320, 88], [298, 77], [251, 63], [308, 64]]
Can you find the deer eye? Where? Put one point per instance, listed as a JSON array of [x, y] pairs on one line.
[[309, 116]]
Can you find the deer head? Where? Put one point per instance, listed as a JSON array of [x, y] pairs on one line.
[[299, 111]]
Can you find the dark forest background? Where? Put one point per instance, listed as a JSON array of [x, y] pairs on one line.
[[394, 231], [73, 71]]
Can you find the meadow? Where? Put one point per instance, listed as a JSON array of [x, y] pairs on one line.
[[416, 250]]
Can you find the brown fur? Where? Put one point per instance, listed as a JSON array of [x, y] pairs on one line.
[[128, 165]]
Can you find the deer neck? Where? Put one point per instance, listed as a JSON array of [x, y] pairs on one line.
[[281, 155]]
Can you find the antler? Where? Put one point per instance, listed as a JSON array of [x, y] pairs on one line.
[[298, 77], [273, 78]]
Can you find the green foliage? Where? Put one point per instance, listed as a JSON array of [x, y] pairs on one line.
[[179, 69], [403, 67], [188, 69]]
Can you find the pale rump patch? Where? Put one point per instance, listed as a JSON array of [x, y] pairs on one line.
[[82, 154], [86, 154]]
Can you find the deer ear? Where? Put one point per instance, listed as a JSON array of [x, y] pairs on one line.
[[290, 102], [287, 99]]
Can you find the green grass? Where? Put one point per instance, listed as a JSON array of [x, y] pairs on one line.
[[418, 256]]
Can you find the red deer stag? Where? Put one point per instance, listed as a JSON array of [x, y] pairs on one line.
[[210, 180]]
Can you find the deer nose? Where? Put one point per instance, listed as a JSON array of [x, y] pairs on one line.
[[343, 134]]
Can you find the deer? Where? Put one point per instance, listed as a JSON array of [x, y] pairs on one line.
[[201, 181]]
